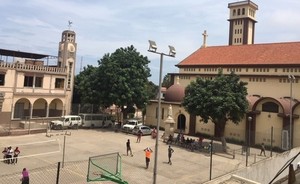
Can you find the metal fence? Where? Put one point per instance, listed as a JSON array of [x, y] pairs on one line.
[[70, 173]]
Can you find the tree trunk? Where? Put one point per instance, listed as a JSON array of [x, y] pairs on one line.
[[219, 132], [224, 145]]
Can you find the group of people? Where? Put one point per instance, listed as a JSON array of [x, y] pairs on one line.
[[10, 155], [148, 152]]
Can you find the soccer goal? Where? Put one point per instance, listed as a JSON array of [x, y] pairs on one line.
[[105, 168]]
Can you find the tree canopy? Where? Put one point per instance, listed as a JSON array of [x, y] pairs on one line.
[[121, 78], [218, 100]]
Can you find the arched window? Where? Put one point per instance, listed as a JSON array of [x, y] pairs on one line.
[[243, 11], [239, 12], [270, 107], [234, 12]]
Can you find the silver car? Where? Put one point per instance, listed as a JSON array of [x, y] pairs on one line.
[[144, 129]]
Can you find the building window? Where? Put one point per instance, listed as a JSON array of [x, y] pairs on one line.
[[234, 12], [33, 81], [243, 11], [28, 81], [270, 107], [38, 81], [2, 79], [239, 12], [59, 83]]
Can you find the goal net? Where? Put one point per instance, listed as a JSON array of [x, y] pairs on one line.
[[105, 168]]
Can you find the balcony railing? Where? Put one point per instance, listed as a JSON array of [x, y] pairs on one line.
[[26, 67]]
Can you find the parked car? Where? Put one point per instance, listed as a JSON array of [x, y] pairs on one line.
[[130, 124], [144, 129]]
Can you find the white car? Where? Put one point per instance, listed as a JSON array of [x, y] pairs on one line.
[[130, 124], [144, 129]]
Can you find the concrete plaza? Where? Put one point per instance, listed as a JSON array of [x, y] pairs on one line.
[[39, 152]]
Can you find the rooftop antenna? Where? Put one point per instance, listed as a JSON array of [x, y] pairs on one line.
[[70, 24]]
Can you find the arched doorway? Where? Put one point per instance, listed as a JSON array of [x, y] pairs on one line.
[[181, 122], [56, 108], [22, 108], [39, 108]]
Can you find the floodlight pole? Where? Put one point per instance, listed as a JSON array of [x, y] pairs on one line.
[[172, 54], [158, 119]]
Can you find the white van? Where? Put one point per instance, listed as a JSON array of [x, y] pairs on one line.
[[96, 120], [69, 121]]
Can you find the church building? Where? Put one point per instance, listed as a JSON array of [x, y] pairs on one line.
[[270, 69]]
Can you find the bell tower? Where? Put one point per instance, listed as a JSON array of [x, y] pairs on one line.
[[242, 22], [67, 55], [67, 60]]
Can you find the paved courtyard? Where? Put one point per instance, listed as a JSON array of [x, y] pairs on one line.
[[40, 154]]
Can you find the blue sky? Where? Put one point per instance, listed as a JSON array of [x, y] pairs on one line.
[[103, 26]]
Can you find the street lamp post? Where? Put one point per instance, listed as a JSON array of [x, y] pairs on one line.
[[248, 142], [172, 52], [291, 79]]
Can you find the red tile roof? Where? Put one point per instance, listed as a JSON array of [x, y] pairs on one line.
[[287, 53]]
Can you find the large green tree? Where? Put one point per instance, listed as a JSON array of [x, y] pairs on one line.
[[86, 85], [122, 79], [85, 90], [219, 100]]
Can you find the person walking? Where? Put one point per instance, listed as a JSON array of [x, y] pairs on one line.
[[148, 152], [25, 176], [262, 149], [139, 136], [128, 148], [170, 152]]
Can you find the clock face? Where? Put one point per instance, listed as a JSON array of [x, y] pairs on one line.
[[71, 48]]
